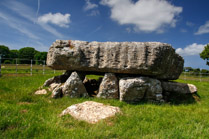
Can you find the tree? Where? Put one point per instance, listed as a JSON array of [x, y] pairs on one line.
[[4, 52], [27, 53], [188, 69], [40, 56], [205, 54], [14, 54]]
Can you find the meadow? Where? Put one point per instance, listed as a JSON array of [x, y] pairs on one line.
[[25, 115]]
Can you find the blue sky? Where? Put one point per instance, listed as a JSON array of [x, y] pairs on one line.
[[38, 23]]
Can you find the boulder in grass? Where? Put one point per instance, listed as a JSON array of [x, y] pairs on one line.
[[91, 112]]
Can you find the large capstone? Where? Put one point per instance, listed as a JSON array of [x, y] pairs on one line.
[[153, 59]]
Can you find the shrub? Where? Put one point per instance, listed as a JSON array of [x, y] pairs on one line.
[[7, 62]]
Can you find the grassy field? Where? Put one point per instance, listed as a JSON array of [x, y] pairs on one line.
[[26, 69], [25, 115]]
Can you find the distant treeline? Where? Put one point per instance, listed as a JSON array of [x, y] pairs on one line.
[[197, 70], [23, 55]]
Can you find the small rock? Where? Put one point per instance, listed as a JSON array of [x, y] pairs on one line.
[[109, 87], [91, 112], [41, 92]]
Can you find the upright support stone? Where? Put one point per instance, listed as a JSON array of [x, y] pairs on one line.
[[109, 87], [136, 89], [74, 86]]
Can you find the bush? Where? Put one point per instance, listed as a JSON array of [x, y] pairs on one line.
[[7, 62]]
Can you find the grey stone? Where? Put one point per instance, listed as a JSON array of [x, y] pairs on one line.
[[134, 89], [182, 88], [154, 59], [57, 92], [53, 86], [109, 87], [74, 86]]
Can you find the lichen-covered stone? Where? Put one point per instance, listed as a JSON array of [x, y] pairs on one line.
[[153, 59], [109, 87], [134, 89]]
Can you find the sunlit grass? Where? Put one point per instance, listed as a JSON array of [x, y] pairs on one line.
[[25, 115]]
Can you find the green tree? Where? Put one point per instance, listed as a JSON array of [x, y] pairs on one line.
[[40, 57], [14, 54], [205, 54], [27, 53], [4, 52]]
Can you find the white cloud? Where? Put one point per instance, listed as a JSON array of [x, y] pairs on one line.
[[183, 30], [58, 19], [128, 29], [190, 24], [29, 14], [18, 25], [94, 13], [193, 49], [146, 15], [203, 29], [89, 5]]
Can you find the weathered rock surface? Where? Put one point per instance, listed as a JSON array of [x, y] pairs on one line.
[[57, 79], [57, 92], [74, 86], [53, 86], [135, 89], [109, 87], [90, 111], [182, 88], [153, 59], [41, 92]]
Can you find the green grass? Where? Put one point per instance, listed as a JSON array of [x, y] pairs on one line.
[[25, 115], [26, 69]]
